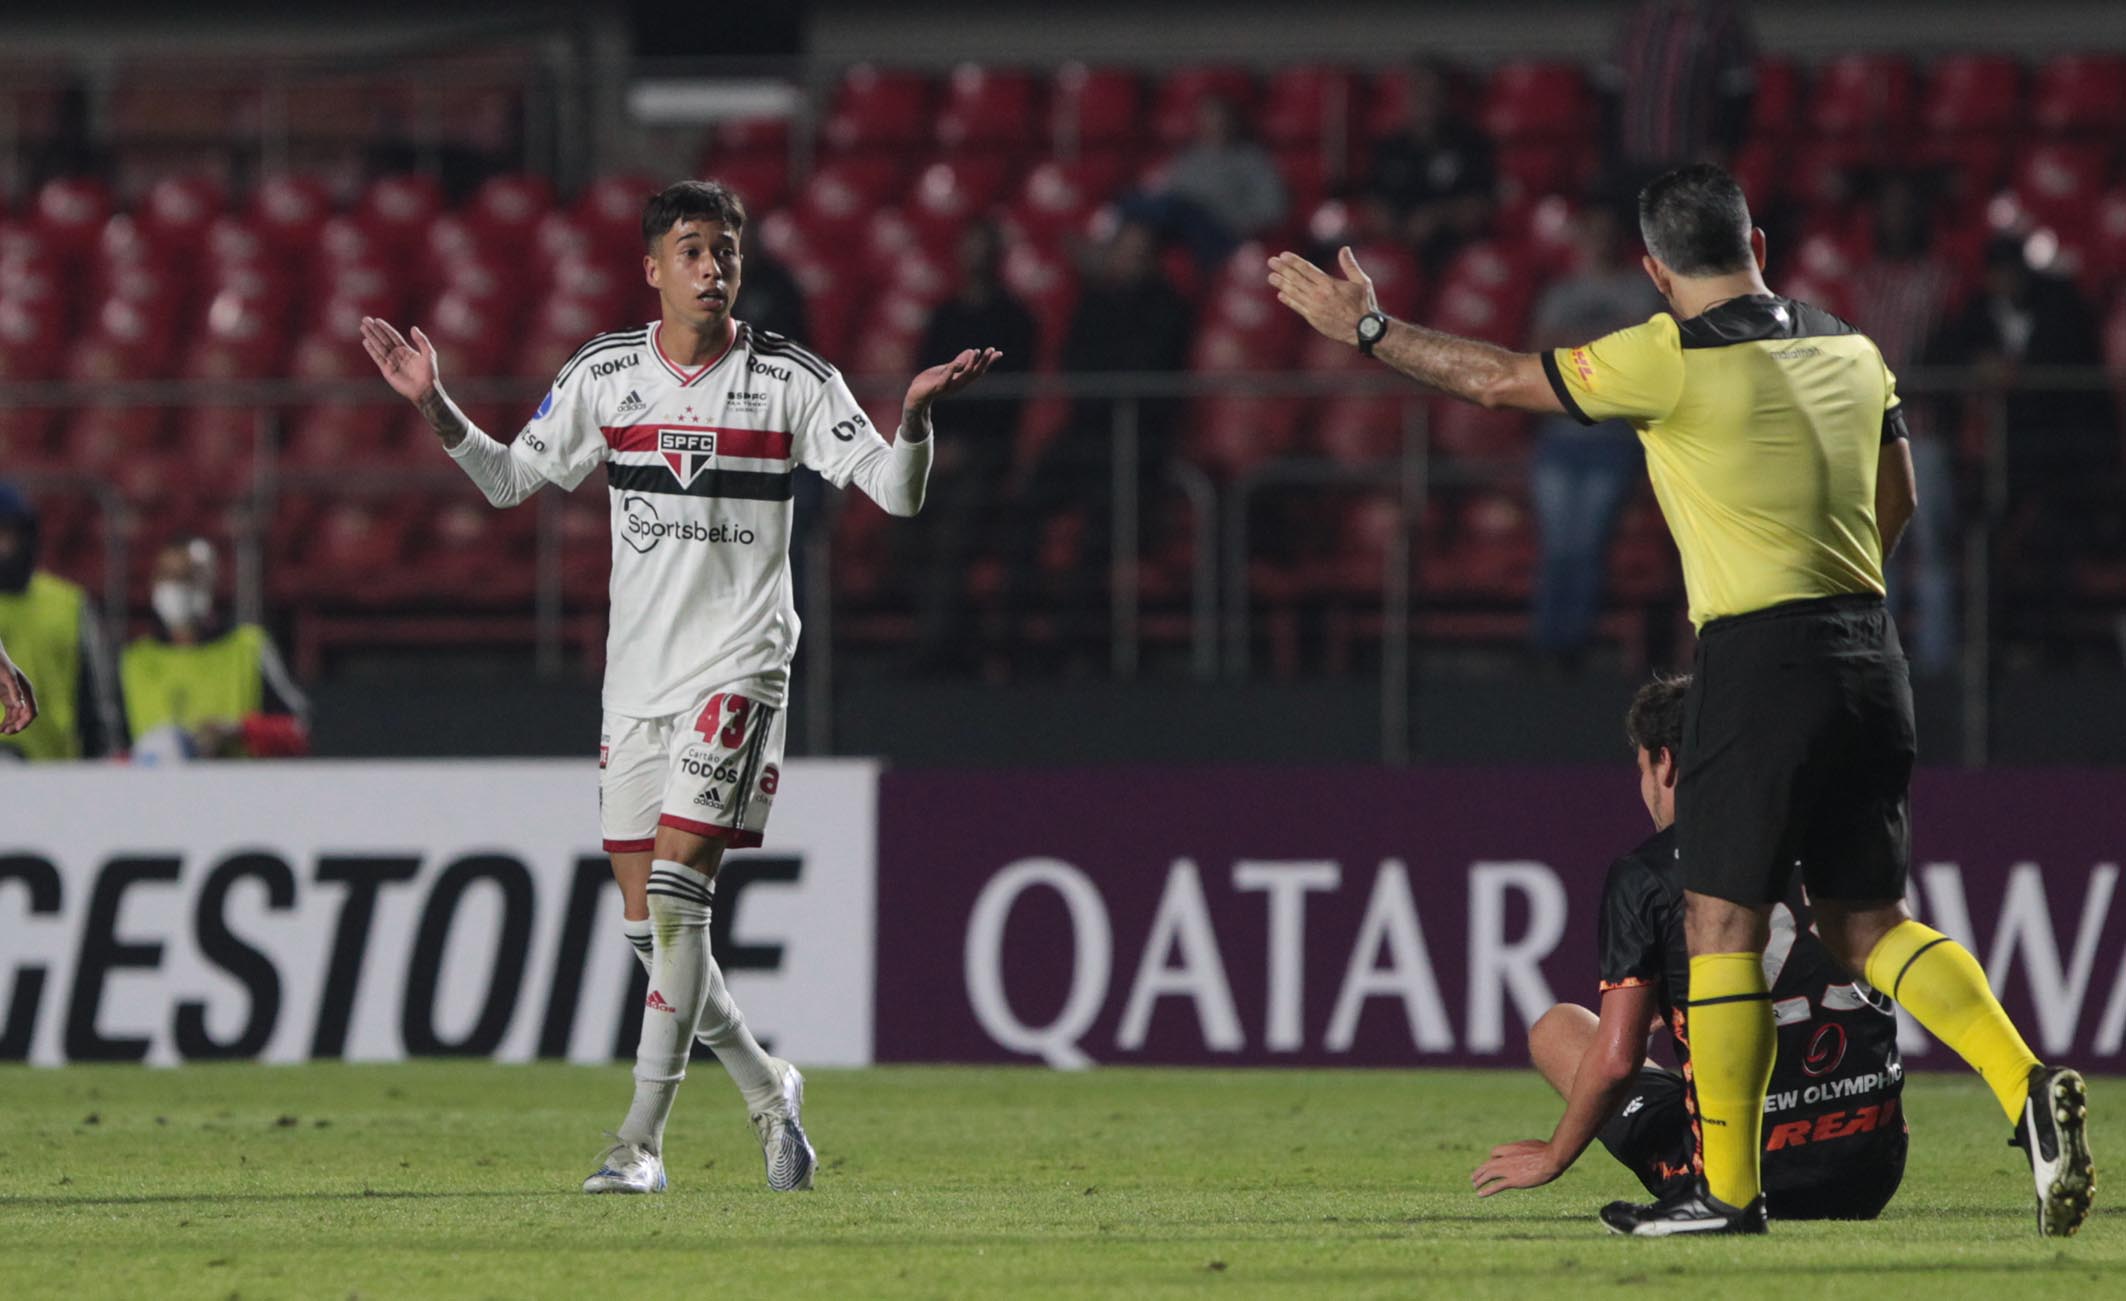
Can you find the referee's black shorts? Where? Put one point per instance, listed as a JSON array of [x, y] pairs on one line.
[[1797, 751]]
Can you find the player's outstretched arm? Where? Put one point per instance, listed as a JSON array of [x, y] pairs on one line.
[[941, 381], [1470, 369], [18, 703], [1598, 1087], [415, 373]]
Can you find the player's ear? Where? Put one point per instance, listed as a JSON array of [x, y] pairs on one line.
[[1757, 245], [1656, 273], [650, 272], [1665, 768]]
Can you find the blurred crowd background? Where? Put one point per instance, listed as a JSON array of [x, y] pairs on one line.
[[1174, 523]]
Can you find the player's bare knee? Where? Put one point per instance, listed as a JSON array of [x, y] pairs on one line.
[[1852, 930], [1715, 925]]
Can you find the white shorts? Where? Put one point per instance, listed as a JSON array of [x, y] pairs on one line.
[[712, 770]]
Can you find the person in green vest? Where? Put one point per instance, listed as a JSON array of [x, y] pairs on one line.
[[199, 688], [52, 633]]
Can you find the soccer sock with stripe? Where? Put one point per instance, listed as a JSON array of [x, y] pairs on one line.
[[1732, 1040], [679, 982], [723, 1028], [1943, 987], [638, 930]]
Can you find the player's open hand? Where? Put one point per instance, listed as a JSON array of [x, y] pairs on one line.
[[944, 380], [410, 368], [1330, 305], [16, 698], [1526, 1164]]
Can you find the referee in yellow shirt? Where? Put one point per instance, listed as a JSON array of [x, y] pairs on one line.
[[1778, 451]]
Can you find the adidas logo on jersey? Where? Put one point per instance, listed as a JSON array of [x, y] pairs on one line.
[[632, 402], [712, 798], [655, 1003]]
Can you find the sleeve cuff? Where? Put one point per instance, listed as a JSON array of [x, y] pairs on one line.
[[1893, 425], [1557, 386]]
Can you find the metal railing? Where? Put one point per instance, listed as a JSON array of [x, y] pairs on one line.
[[1220, 609]]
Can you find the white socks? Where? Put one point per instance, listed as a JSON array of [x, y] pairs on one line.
[[723, 1028], [638, 937], [679, 984]]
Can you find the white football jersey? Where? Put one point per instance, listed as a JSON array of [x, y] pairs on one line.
[[699, 467]]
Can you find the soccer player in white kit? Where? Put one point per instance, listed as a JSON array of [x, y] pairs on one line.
[[700, 421]]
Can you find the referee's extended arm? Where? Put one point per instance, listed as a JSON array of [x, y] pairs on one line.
[[1470, 369], [1896, 492]]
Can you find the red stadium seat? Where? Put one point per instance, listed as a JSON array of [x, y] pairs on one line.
[[1489, 553], [2081, 94], [989, 107], [1358, 430], [610, 207], [875, 107], [1485, 292], [2059, 182], [398, 208], [1232, 433], [844, 193], [510, 205], [761, 179], [1973, 93], [242, 340], [289, 208], [1463, 431], [751, 136], [1398, 280], [950, 193], [1776, 107], [1529, 100], [1094, 107], [134, 264], [1054, 200], [178, 209], [70, 212], [891, 335], [470, 332], [1864, 95], [451, 555], [1183, 90], [216, 452], [30, 341], [1310, 104]]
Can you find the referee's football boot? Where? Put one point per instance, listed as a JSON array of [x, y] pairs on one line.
[[1694, 1210], [783, 1145], [626, 1168], [2054, 1135]]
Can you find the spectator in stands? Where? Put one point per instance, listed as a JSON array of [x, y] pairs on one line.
[[1220, 191], [1433, 181], [1129, 321], [1904, 291], [1582, 475], [51, 631], [967, 479], [199, 688], [2061, 442], [1678, 85], [774, 299]]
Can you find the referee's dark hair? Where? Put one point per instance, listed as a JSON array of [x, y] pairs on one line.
[[1655, 722], [696, 200], [1696, 222]]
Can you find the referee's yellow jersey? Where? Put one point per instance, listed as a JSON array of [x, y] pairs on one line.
[[1762, 419]]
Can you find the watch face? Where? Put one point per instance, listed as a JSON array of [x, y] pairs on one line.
[[1372, 326]]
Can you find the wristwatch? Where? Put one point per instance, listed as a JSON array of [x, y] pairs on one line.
[[1372, 328]]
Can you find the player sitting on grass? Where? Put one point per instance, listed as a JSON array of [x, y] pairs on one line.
[[700, 421], [1834, 1131]]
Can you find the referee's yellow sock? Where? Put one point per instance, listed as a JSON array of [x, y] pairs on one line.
[[1732, 1040], [1943, 987]]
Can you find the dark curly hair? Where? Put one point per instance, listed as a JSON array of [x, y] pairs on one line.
[[691, 200]]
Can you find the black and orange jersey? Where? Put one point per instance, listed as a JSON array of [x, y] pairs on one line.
[[1763, 419], [1837, 1074]]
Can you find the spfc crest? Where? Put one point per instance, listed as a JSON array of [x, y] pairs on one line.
[[687, 451]]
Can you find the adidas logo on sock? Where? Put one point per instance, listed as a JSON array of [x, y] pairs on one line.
[[631, 402], [655, 1003]]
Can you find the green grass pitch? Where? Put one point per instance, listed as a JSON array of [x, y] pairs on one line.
[[448, 1179]]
